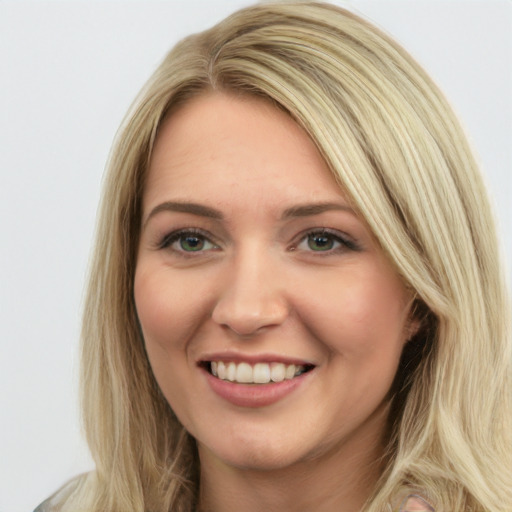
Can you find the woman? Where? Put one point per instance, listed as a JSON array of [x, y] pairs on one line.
[[296, 301]]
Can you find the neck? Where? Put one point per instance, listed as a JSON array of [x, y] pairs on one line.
[[340, 481]]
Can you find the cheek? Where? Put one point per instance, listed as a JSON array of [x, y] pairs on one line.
[[360, 314], [168, 311], [154, 309], [166, 327]]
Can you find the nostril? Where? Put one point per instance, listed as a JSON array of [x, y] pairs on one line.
[[247, 314], [248, 326]]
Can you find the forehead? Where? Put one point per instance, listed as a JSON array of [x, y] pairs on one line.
[[220, 147]]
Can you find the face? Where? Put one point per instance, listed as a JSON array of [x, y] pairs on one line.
[[272, 321]]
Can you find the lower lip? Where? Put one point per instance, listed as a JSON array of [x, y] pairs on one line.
[[254, 395]]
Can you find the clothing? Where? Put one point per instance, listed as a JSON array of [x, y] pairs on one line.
[[412, 503], [44, 507], [48, 505]]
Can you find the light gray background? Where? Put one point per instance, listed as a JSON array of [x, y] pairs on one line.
[[69, 71]]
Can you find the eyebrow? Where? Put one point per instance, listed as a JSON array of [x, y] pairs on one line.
[[193, 208], [304, 210]]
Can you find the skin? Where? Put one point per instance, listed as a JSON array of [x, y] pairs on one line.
[[259, 287]]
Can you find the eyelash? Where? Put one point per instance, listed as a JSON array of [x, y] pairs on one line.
[[331, 235], [345, 243], [182, 234]]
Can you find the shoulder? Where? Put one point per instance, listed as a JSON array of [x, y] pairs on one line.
[[44, 507], [56, 502], [47, 505]]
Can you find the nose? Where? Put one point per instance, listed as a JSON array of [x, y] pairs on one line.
[[252, 297]]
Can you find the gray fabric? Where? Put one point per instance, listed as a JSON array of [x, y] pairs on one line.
[[60, 496], [44, 507]]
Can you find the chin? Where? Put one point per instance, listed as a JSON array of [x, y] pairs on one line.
[[256, 460], [258, 453]]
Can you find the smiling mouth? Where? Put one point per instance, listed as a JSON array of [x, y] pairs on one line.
[[259, 373]]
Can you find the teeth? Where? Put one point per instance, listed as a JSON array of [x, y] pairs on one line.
[[243, 373], [277, 372], [231, 372], [221, 370], [260, 373], [290, 371]]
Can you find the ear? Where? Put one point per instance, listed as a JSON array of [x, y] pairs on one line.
[[412, 328], [417, 315], [415, 504]]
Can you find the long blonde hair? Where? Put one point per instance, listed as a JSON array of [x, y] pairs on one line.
[[395, 147]]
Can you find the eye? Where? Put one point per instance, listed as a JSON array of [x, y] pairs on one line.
[[188, 241], [324, 241], [320, 242]]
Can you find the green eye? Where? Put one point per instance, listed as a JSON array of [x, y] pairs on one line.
[[325, 241], [186, 241], [320, 242], [192, 243]]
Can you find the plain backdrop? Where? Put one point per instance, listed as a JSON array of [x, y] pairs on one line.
[[69, 71]]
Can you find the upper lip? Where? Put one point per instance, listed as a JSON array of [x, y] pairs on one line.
[[252, 359]]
